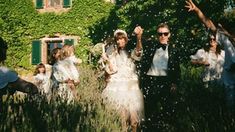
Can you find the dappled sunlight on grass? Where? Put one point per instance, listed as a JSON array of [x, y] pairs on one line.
[[197, 109], [37, 113]]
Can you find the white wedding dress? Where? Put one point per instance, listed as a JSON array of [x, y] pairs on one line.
[[122, 90]]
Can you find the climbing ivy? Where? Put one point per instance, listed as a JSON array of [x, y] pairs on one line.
[[96, 20], [20, 23]]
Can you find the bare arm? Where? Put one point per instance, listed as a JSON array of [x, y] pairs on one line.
[[205, 20], [199, 62], [110, 67], [138, 31]]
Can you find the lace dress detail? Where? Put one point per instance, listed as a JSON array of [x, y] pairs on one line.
[[122, 90]]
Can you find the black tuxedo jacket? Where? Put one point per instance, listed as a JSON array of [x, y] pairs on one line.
[[173, 70]]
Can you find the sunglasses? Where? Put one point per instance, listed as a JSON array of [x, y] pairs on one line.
[[164, 33], [212, 39]]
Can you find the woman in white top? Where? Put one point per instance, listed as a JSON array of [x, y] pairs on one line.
[[212, 57], [60, 76], [225, 36], [65, 75], [69, 57], [122, 91]]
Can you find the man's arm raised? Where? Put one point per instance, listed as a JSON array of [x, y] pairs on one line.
[[205, 20]]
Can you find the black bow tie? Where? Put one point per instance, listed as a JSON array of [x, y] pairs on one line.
[[163, 46]]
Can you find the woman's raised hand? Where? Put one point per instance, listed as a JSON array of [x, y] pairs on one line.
[[138, 31]]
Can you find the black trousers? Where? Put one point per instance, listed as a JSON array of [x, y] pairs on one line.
[[158, 101]]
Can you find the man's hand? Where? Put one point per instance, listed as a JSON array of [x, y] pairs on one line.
[[190, 5], [173, 87]]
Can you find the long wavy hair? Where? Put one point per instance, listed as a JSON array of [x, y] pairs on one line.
[[208, 45], [40, 65], [120, 35], [52, 55]]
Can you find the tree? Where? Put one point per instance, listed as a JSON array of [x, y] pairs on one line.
[[188, 33]]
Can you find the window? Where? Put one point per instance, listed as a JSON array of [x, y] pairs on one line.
[[36, 52], [52, 5], [69, 41], [41, 49]]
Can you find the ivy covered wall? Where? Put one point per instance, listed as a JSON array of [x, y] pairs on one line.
[[20, 24], [95, 20]]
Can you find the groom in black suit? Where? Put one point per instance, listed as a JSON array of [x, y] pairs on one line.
[[159, 76]]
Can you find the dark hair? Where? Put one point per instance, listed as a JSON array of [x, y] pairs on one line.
[[52, 55], [218, 48], [120, 35], [40, 65]]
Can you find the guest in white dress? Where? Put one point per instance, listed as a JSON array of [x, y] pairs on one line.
[[60, 76], [212, 58], [42, 80], [73, 61], [65, 76], [69, 56], [122, 91]]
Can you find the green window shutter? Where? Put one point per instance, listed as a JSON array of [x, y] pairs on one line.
[[36, 52], [69, 41], [39, 4], [66, 3]]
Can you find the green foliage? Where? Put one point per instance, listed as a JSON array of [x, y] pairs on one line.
[[38, 114], [187, 31], [198, 109], [94, 21]]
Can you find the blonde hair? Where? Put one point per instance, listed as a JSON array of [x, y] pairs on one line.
[[163, 25], [67, 50]]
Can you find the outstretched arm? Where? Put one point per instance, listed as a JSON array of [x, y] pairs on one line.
[[205, 20], [200, 62]]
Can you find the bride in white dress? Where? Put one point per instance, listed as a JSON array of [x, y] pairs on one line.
[[122, 91]]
